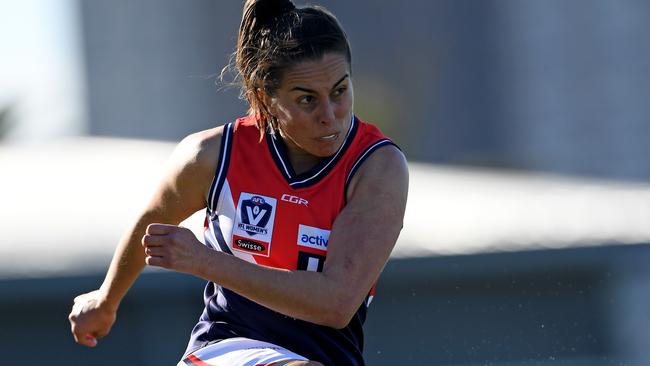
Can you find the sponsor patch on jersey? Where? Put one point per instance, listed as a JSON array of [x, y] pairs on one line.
[[253, 227], [250, 246], [313, 237], [294, 199]]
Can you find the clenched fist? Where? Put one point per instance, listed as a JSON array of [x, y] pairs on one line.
[[91, 318], [174, 247]]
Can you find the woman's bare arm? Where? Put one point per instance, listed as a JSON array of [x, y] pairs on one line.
[[174, 200], [360, 243]]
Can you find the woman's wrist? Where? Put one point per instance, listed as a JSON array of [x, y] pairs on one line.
[[206, 264], [106, 301]]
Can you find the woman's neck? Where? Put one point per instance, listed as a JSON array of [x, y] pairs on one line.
[[301, 161]]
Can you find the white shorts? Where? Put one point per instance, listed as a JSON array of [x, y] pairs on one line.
[[239, 352]]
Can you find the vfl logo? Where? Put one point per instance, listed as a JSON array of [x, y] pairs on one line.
[[255, 214], [253, 227]]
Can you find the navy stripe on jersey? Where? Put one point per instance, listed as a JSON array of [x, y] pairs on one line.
[[222, 168], [279, 153], [278, 150], [362, 158], [218, 235]]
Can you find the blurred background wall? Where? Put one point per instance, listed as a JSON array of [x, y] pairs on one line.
[[500, 86], [549, 85]]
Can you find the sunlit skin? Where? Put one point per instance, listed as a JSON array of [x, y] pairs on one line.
[[313, 107]]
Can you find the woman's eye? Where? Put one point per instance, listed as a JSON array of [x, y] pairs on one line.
[[340, 91], [307, 99]]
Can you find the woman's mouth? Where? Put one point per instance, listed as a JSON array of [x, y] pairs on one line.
[[331, 137]]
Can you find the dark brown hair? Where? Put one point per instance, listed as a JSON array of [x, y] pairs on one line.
[[275, 35]]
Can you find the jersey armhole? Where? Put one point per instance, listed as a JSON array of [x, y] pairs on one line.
[[221, 169], [366, 153]]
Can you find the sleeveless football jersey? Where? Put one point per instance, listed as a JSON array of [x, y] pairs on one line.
[[259, 210]]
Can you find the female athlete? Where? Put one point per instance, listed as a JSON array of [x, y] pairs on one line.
[[304, 203]]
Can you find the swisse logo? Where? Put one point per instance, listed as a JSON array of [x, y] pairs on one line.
[[313, 237], [294, 199], [249, 245]]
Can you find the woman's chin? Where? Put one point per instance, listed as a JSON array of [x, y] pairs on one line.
[[325, 151]]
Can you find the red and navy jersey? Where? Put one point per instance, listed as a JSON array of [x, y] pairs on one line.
[[261, 211]]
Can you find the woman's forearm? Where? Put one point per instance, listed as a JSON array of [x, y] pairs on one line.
[[305, 295], [126, 265], [328, 298]]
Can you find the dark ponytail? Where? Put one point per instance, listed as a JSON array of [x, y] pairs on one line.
[[274, 35]]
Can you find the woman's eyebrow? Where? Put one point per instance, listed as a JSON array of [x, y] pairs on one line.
[[299, 88]]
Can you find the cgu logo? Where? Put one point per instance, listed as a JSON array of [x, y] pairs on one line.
[[294, 199]]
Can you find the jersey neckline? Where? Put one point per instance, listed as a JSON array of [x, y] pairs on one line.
[[278, 150]]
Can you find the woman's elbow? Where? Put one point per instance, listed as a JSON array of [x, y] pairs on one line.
[[340, 312]]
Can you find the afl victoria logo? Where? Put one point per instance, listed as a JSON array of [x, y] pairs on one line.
[[255, 213], [253, 227]]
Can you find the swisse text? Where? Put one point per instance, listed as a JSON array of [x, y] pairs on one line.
[[249, 245]]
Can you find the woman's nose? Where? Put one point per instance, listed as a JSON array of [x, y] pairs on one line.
[[327, 115]]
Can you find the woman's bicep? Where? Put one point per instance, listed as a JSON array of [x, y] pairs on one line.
[[187, 178], [366, 230]]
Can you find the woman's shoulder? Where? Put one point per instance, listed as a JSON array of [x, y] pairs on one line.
[[380, 160], [386, 163], [199, 151]]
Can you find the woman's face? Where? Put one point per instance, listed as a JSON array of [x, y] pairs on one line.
[[313, 105]]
